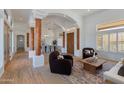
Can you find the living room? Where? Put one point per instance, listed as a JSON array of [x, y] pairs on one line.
[[61, 46], [77, 44]]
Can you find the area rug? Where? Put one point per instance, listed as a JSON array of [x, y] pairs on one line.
[[78, 75], [81, 76]]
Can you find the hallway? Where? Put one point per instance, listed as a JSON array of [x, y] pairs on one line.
[[20, 70]]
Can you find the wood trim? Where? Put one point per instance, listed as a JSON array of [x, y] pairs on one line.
[[63, 39], [27, 39], [110, 25], [38, 36], [78, 39]]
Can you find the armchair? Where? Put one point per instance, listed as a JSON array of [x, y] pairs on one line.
[[88, 52], [61, 66]]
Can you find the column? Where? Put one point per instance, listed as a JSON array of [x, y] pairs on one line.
[[32, 38], [38, 36], [78, 39], [38, 59], [77, 51], [63, 39]]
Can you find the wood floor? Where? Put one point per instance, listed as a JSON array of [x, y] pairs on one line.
[[20, 70]]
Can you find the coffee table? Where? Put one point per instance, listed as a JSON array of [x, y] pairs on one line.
[[92, 65]]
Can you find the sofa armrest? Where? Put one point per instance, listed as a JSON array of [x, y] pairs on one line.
[[68, 57], [112, 74]]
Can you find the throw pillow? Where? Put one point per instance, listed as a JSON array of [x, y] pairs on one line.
[[87, 51], [92, 51], [60, 57], [121, 71]]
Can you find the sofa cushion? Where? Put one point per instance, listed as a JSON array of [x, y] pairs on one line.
[[121, 71]]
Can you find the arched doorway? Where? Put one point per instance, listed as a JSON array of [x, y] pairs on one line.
[[58, 23]]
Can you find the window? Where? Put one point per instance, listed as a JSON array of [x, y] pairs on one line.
[[105, 42], [99, 41], [110, 36], [121, 41], [113, 42]]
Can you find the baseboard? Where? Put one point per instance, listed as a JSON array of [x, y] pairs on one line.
[[1, 71]]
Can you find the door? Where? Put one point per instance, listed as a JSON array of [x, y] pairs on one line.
[[70, 43], [20, 42]]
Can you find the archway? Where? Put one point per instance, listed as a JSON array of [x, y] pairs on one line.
[[53, 27]]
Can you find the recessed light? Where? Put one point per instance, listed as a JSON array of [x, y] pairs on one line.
[[88, 10]]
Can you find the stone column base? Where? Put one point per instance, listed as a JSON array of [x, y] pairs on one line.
[[31, 53], [38, 60]]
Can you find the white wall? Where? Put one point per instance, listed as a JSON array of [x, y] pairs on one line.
[[1, 43], [90, 23]]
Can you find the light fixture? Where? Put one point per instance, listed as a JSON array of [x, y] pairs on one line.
[[46, 35]]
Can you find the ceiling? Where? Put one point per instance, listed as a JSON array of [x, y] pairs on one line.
[[54, 20], [58, 21], [21, 15], [84, 12]]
